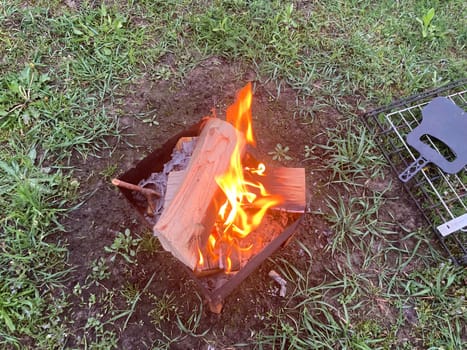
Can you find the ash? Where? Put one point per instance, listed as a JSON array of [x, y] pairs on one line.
[[181, 155]]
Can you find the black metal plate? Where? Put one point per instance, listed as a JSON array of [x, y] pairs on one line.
[[447, 122], [444, 121]]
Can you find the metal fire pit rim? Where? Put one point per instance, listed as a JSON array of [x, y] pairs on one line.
[[217, 296], [154, 162]]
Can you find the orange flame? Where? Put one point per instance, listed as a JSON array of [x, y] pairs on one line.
[[201, 258], [237, 221], [212, 241], [239, 113], [228, 267]]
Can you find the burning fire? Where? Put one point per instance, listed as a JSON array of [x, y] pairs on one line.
[[244, 209]]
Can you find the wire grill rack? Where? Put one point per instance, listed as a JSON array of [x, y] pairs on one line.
[[441, 197]]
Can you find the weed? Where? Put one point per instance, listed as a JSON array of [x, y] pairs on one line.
[[130, 292], [165, 308], [352, 154], [280, 153], [242, 30], [191, 326], [31, 266], [354, 219], [21, 96], [124, 245], [99, 270], [32, 107], [77, 289], [100, 47], [427, 28], [304, 111], [109, 172], [163, 72], [309, 152], [149, 243], [438, 291]]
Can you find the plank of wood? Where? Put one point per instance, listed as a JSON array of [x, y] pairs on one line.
[[186, 222], [289, 183]]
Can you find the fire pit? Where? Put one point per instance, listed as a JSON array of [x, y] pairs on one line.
[[211, 204]]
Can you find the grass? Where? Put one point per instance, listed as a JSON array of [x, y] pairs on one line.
[[346, 46], [48, 112], [60, 77], [352, 153], [32, 266]]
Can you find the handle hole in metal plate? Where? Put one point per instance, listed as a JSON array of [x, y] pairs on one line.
[[438, 145]]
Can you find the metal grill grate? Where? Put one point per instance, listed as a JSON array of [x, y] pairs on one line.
[[441, 197]]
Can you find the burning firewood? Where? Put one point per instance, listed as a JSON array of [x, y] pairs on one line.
[[216, 202], [183, 225]]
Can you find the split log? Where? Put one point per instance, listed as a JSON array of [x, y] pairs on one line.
[[185, 223]]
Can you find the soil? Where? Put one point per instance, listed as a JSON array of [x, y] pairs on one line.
[[94, 224]]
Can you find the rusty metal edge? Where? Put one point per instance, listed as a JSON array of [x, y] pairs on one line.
[[216, 298]]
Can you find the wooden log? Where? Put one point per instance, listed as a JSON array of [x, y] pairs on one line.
[[186, 222], [289, 183], [130, 186]]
